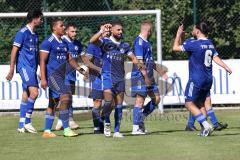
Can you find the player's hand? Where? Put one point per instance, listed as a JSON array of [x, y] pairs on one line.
[[165, 76], [43, 83], [106, 27], [10, 75], [229, 70], [180, 31]]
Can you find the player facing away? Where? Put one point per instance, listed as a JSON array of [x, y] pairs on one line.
[[201, 52], [94, 55], [25, 52], [140, 90], [75, 49], [54, 57], [113, 73]]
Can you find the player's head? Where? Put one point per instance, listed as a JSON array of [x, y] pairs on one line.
[[200, 29], [71, 30], [117, 30], [146, 28], [57, 27], [35, 16]]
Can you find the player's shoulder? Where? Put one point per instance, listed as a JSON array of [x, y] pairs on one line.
[[23, 29], [190, 40], [140, 40], [50, 38]]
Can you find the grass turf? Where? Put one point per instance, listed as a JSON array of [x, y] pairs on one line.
[[167, 140]]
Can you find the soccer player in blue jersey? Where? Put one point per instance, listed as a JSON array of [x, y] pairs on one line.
[[25, 52], [75, 49], [113, 73], [201, 52], [94, 54], [143, 52], [54, 56]]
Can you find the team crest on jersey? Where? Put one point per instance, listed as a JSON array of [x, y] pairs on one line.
[[122, 50], [58, 48], [76, 48]]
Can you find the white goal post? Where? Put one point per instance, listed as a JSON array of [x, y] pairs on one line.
[[157, 13]]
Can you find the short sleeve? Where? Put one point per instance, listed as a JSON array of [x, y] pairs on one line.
[[18, 40], [45, 46], [138, 48], [90, 51]]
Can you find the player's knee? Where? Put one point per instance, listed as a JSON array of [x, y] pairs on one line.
[[157, 100], [65, 101], [34, 95], [97, 103]]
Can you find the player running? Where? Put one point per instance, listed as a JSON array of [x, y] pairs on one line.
[[113, 73], [75, 49], [25, 52], [140, 90], [201, 52], [54, 56]]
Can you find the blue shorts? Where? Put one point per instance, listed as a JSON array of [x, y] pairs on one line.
[[195, 94], [115, 86], [138, 87], [96, 88], [57, 86], [29, 78]]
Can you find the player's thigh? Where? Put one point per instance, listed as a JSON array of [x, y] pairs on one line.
[[138, 87], [33, 92], [108, 95], [29, 78]]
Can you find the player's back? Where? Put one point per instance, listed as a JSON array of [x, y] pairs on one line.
[[27, 41], [57, 50], [201, 53]]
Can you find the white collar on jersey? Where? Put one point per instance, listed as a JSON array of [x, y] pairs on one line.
[[59, 40], [142, 37], [30, 29], [67, 38], [202, 39], [114, 40]]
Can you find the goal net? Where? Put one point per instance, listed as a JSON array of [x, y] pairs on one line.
[[87, 23]]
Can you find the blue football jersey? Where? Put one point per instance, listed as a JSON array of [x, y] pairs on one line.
[[27, 41], [200, 53], [75, 49], [57, 54], [94, 52], [113, 57], [143, 51]]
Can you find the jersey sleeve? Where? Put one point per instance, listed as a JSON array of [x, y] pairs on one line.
[[128, 49], [188, 45], [45, 46], [18, 40], [215, 53], [90, 51], [138, 48]]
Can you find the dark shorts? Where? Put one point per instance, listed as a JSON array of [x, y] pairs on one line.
[[138, 87], [195, 94], [115, 86], [57, 86], [29, 78]]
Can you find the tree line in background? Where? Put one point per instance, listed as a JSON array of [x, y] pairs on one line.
[[223, 16]]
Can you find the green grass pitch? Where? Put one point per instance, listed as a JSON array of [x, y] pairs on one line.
[[167, 140]]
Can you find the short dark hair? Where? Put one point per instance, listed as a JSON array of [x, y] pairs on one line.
[[71, 25], [54, 22], [114, 23], [203, 27], [36, 13]]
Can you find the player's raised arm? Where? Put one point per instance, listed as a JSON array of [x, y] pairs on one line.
[[95, 39], [12, 62], [178, 39], [219, 61]]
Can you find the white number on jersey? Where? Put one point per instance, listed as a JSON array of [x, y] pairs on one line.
[[208, 58]]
